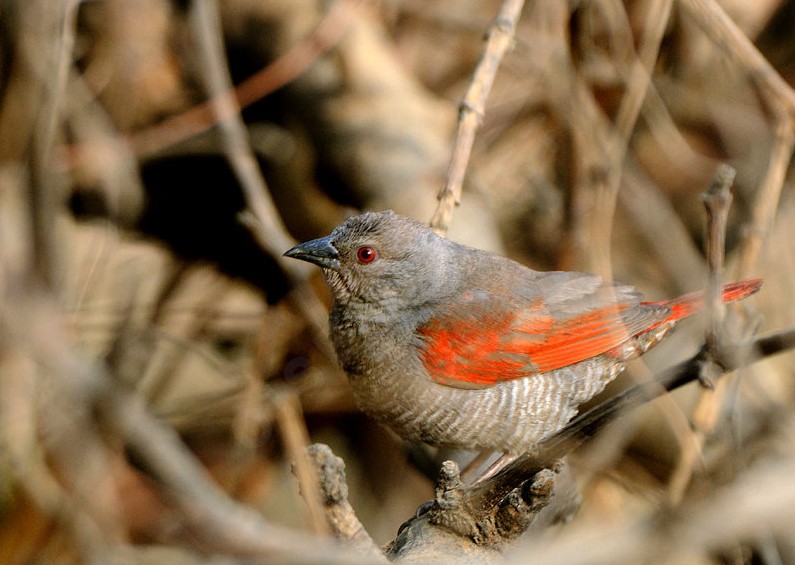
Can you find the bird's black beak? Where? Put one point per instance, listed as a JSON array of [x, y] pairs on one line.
[[318, 251]]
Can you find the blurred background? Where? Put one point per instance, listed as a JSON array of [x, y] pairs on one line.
[[137, 233]]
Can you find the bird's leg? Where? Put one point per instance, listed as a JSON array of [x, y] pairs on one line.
[[498, 465], [468, 474]]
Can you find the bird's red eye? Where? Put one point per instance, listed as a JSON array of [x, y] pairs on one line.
[[365, 254]]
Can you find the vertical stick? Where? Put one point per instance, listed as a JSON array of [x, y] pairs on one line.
[[499, 40], [717, 201]]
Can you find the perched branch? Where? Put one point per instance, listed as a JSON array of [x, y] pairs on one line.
[[511, 518], [340, 516]]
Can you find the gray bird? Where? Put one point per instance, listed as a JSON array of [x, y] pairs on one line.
[[459, 347]]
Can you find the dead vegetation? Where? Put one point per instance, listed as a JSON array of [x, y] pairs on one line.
[[163, 369]]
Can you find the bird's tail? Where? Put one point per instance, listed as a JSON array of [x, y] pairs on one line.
[[693, 302]]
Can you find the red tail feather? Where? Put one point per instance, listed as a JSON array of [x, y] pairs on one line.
[[691, 303]]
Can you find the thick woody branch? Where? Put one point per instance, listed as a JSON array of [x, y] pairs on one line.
[[340, 516]]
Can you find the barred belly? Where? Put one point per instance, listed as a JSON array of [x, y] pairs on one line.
[[510, 416]]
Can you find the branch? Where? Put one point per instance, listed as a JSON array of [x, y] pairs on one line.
[[717, 201], [340, 516], [780, 98], [730, 39], [31, 323], [754, 508], [262, 216], [286, 68], [499, 40]]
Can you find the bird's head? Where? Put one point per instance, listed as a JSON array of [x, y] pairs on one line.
[[379, 258]]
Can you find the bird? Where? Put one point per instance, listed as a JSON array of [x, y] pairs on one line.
[[459, 347]]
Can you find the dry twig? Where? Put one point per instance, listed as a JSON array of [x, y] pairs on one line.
[[717, 200], [780, 98], [637, 84], [284, 69], [499, 40], [262, 217], [330, 471], [295, 438], [767, 199], [730, 40], [759, 503]]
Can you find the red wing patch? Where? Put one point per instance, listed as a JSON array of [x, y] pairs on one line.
[[480, 346], [467, 355], [471, 355]]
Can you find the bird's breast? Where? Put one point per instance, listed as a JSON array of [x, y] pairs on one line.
[[392, 385]]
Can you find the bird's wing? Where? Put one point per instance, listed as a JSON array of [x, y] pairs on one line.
[[485, 337]]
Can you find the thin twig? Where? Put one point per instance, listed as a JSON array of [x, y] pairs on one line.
[[31, 465], [70, 478], [330, 470], [639, 79], [297, 60], [295, 438], [220, 522], [286, 68], [637, 84], [601, 146], [767, 198], [499, 40], [40, 415], [717, 201], [759, 503], [55, 59], [263, 218], [207, 29], [730, 39], [780, 98], [663, 230]]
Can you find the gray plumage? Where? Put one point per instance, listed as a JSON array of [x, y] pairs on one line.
[[395, 325]]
